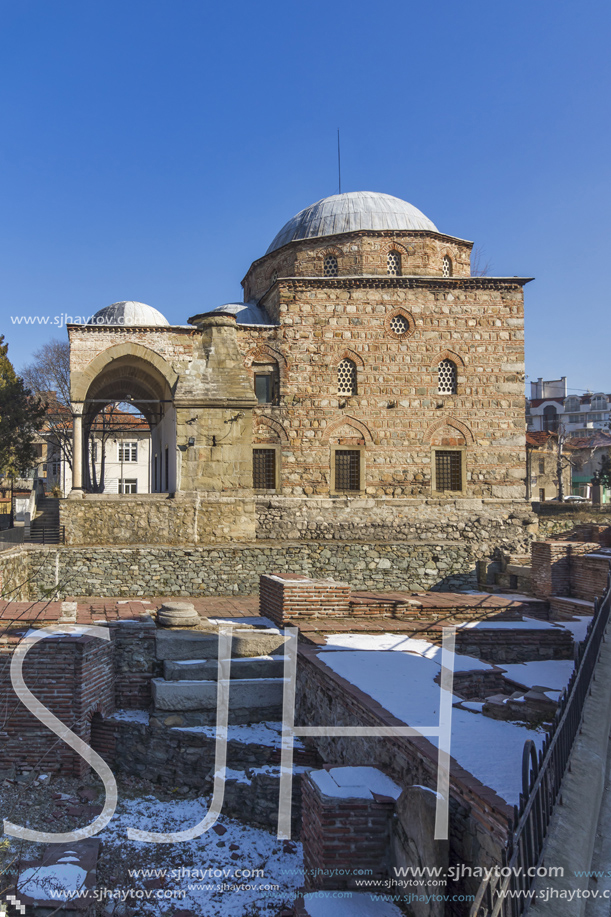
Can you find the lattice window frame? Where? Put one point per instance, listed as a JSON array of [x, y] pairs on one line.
[[393, 263], [447, 377], [330, 266], [347, 378], [409, 319], [447, 268]]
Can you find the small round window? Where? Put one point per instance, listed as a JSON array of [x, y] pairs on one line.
[[399, 324]]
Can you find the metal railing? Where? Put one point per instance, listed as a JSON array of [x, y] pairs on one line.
[[542, 775], [47, 534]]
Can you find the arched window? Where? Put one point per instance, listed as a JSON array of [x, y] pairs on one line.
[[330, 266], [446, 377], [393, 263], [447, 266], [599, 402], [346, 377], [571, 403]]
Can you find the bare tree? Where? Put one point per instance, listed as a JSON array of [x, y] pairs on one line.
[[480, 265], [49, 376]]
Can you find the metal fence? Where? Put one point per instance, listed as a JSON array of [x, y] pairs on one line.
[[542, 776], [47, 534]]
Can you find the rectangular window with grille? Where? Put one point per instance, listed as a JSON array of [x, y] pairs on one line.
[[264, 469], [448, 470], [128, 452], [128, 486], [347, 469]]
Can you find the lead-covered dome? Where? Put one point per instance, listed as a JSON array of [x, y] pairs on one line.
[[351, 212], [128, 313]]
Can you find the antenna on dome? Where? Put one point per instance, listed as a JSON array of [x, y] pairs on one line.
[[339, 164]]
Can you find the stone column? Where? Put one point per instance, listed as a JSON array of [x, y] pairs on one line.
[[77, 454]]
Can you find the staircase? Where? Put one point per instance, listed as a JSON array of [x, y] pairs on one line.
[[185, 699], [45, 527]]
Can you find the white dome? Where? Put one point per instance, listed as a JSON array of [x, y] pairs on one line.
[[128, 313], [352, 212]]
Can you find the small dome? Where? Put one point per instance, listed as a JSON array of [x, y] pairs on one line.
[[128, 313], [246, 313], [352, 212]]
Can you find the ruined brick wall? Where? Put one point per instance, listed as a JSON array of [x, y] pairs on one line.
[[343, 838], [478, 817], [72, 676], [290, 596], [134, 663], [560, 568]]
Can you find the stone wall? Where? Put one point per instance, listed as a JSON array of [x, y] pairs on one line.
[[16, 567], [109, 519], [227, 569], [556, 518], [507, 525]]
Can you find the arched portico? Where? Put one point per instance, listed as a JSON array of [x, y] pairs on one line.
[[138, 379]]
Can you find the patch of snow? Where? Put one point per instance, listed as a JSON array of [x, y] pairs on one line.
[[56, 882], [131, 716], [355, 782], [404, 684], [258, 850], [401, 643], [270, 770], [249, 622], [526, 624], [269, 734], [578, 627], [551, 674], [351, 904]]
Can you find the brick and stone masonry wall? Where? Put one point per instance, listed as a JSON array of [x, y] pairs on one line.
[[589, 577], [73, 677], [343, 838], [134, 663], [557, 518], [226, 569], [478, 817], [568, 568]]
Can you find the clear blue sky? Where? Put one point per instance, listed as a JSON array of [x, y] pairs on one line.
[[151, 150]]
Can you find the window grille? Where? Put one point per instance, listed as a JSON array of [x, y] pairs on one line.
[[446, 384], [128, 452], [346, 378], [399, 324], [347, 469], [128, 486], [541, 495], [448, 471], [447, 266], [393, 263], [330, 266], [264, 469]]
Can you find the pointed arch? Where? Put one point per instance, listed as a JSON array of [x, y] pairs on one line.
[[448, 355], [457, 425], [263, 353], [80, 381], [272, 424], [361, 428], [348, 354]]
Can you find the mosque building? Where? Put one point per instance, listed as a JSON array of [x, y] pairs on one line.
[[365, 368]]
